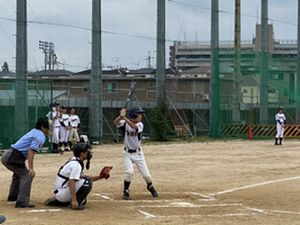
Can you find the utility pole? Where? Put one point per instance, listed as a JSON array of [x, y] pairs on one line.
[[21, 101], [263, 109], [160, 52], [49, 54], [297, 88], [236, 117], [149, 60], [95, 101], [214, 110]]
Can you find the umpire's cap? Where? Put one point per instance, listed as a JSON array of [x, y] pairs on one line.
[[133, 112], [81, 147], [42, 122]]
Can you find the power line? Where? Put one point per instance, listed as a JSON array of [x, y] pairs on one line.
[[31, 59], [228, 12], [44, 29]]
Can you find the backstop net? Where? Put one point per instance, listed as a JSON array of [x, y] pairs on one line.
[[39, 97], [252, 86]]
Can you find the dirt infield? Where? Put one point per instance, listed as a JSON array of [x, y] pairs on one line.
[[218, 182]]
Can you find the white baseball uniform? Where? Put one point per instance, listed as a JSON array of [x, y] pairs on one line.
[[74, 122], [56, 126], [64, 132], [133, 152], [73, 169], [280, 121]]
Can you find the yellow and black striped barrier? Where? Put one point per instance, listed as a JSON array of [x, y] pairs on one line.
[[236, 130]]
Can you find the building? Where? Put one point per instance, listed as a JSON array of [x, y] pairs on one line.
[[282, 60], [186, 55]]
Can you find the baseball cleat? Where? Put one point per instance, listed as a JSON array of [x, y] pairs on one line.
[[126, 195], [11, 199], [152, 190], [19, 205]]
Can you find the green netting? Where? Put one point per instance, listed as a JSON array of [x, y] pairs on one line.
[[241, 86], [39, 98]]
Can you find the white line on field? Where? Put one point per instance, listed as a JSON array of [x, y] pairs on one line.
[[255, 210], [138, 201], [103, 196], [282, 211], [147, 215], [255, 185], [229, 215], [272, 211], [206, 197], [42, 210], [187, 205], [199, 215]]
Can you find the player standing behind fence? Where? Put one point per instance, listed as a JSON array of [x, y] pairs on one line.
[[64, 130], [55, 128], [132, 129], [280, 123], [75, 125]]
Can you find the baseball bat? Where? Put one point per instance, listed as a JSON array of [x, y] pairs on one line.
[[130, 93]]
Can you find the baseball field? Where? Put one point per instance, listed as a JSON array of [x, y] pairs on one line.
[[213, 182]]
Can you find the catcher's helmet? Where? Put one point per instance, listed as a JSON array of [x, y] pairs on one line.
[[81, 147], [42, 122], [133, 112]]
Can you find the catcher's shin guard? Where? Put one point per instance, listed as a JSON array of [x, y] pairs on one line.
[[83, 192], [152, 190], [126, 190]]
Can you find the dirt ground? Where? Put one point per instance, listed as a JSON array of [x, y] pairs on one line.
[[217, 182]]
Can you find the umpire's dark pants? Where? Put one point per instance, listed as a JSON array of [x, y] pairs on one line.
[[21, 180]]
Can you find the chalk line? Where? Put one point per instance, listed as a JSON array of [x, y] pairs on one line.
[[146, 214], [254, 185], [188, 205], [42, 210]]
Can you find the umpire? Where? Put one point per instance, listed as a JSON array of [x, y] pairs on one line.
[[14, 160]]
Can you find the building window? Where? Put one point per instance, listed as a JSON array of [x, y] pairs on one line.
[[111, 87], [277, 76]]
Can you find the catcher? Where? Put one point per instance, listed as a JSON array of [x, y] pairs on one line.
[[72, 186]]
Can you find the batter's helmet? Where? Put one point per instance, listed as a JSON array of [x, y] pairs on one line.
[[133, 112], [42, 122]]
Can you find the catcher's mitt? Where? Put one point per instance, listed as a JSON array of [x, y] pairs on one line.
[[104, 173]]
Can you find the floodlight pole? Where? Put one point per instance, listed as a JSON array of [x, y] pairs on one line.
[[297, 88], [21, 101], [263, 109]]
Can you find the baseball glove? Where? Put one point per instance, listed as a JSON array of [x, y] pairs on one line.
[[104, 173]]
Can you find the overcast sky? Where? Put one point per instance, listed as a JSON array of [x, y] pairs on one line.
[[129, 28]]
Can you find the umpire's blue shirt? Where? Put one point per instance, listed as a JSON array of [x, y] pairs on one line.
[[34, 140]]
